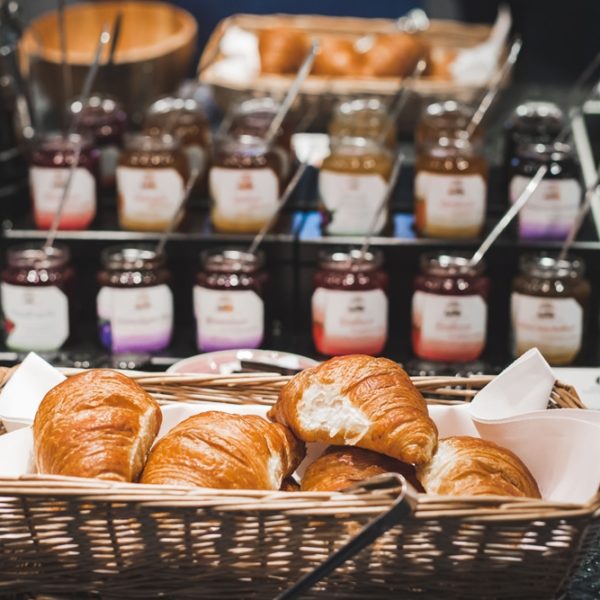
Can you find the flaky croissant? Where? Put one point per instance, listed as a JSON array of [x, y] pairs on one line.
[[220, 450], [468, 466], [362, 401], [95, 424]]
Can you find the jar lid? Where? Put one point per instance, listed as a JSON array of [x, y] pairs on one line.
[[554, 152], [98, 105], [449, 107], [169, 104], [228, 260], [151, 143], [241, 143], [357, 145], [256, 105], [451, 264], [548, 266], [351, 259], [132, 258], [538, 110], [31, 255], [58, 141], [349, 108]]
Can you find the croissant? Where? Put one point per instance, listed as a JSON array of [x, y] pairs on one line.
[[289, 484], [221, 450], [358, 400], [96, 424], [468, 466]]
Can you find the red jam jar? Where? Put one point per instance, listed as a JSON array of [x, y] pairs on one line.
[[350, 304], [35, 296], [449, 309], [229, 300], [51, 161]]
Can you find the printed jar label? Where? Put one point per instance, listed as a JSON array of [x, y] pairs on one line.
[[551, 210], [345, 322], [451, 328], [35, 318], [244, 194], [135, 319], [451, 201], [228, 319], [352, 202], [553, 325], [47, 187], [149, 195]]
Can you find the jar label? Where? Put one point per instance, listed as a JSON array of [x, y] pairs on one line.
[[552, 209], [451, 328], [228, 319], [553, 325], [47, 188], [36, 318], [352, 201], [345, 322], [135, 319], [244, 194], [452, 202], [149, 196]]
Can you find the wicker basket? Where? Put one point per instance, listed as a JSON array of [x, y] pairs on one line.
[[77, 537]]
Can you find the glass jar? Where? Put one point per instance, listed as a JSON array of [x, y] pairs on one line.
[[549, 303], [349, 303], [449, 308], [135, 303], [229, 300], [151, 177], [102, 119], [552, 210], [51, 160], [245, 183], [352, 184], [363, 117], [451, 179], [442, 119], [36, 294]]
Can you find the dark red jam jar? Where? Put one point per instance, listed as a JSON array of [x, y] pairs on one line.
[[36, 297], [229, 300], [449, 309], [349, 303]]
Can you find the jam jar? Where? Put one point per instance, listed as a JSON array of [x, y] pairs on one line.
[[442, 119], [352, 185], [36, 295], [104, 120], [549, 303], [245, 181], [229, 300], [552, 210], [349, 303], [449, 309], [450, 188], [135, 303], [51, 160], [151, 177]]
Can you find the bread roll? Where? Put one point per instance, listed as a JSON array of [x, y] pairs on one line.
[[468, 466], [362, 401], [96, 424], [337, 57], [221, 450], [393, 55], [282, 49]]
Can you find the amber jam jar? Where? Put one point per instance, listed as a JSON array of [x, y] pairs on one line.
[[352, 185], [36, 294], [103, 119], [151, 177], [229, 300], [51, 160], [135, 303], [549, 303], [442, 119], [449, 309], [349, 303], [244, 183], [450, 189]]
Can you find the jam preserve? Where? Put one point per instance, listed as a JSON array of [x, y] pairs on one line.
[[135, 303], [229, 300], [36, 292], [151, 178], [349, 304], [449, 309], [245, 183], [442, 119], [51, 160], [552, 210], [548, 307]]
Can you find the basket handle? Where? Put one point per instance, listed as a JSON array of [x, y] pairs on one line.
[[402, 508]]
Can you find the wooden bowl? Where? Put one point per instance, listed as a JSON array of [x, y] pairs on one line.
[[154, 51]]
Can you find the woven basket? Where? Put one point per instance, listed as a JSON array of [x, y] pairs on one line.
[[79, 537]]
